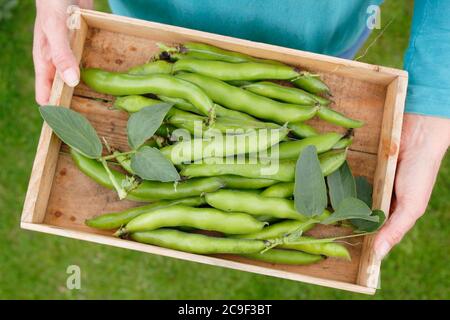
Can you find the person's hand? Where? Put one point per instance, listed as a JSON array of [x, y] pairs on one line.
[[424, 143], [51, 48]]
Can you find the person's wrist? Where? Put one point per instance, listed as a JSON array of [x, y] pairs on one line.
[[427, 132]]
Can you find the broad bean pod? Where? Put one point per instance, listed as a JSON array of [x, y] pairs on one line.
[[329, 249], [242, 100], [238, 182], [114, 220], [227, 71], [282, 93], [283, 170], [337, 118], [195, 149], [255, 204], [154, 67], [302, 130], [147, 190], [118, 84], [279, 230], [323, 143], [198, 243], [280, 256], [279, 190], [311, 83], [199, 218], [207, 52], [180, 104], [332, 160]]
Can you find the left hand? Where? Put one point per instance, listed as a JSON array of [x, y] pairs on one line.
[[424, 143]]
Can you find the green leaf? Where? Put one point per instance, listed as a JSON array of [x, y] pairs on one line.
[[351, 208], [310, 193], [364, 190], [142, 125], [341, 185], [150, 164], [370, 226], [74, 129]]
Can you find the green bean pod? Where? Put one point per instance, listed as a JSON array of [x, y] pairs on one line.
[[248, 143], [337, 118], [147, 190], [332, 160], [240, 83], [218, 109], [153, 67], [186, 120], [254, 204], [281, 170], [232, 114], [193, 123], [279, 230], [329, 249], [109, 221], [311, 83], [227, 71], [240, 126], [323, 143], [118, 84], [198, 243], [242, 100], [134, 103], [237, 182], [280, 256], [194, 50], [180, 104], [198, 218], [321, 100], [343, 143], [302, 130], [279, 190], [282, 93]]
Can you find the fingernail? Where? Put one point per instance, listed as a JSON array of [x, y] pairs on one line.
[[71, 77], [383, 250]]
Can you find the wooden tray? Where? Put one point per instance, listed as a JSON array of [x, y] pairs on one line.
[[60, 197]]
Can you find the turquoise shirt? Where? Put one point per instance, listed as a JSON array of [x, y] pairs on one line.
[[332, 27]]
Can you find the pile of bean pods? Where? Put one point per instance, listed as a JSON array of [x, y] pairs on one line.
[[245, 211]]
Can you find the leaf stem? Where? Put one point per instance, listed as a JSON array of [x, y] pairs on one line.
[[120, 191], [331, 239], [118, 154]]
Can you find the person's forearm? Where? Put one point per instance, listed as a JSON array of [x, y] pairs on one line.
[[424, 143]]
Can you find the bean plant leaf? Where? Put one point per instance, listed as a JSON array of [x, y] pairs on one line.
[[150, 164], [370, 226], [142, 125], [364, 190], [74, 129], [310, 193], [341, 185], [351, 208]]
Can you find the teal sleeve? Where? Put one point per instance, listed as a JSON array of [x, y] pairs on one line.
[[428, 59]]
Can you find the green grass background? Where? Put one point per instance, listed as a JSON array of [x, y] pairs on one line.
[[33, 265]]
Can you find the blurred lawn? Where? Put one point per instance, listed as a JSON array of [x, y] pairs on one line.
[[33, 265]]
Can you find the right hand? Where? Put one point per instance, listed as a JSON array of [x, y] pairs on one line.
[[51, 47]]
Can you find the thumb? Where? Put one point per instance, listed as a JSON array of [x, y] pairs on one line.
[[401, 221], [61, 53]]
